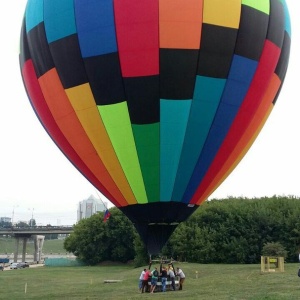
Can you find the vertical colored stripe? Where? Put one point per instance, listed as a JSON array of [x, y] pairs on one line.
[[34, 13], [180, 24], [242, 75], [84, 105], [237, 85], [218, 180], [222, 13], [60, 19], [98, 27], [248, 137], [174, 117], [247, 111], [287, 19], [146, 138], [137, 36], [42, 110], [208, 92], [262, 5], [117, 123], [68, 123], [178, 70]]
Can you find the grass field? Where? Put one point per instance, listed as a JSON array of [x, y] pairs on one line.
[[7, 245], [214, 282]]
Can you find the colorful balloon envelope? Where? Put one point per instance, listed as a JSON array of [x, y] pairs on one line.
[[154, 101]]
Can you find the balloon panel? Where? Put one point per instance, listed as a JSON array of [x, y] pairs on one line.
[[156, 101]]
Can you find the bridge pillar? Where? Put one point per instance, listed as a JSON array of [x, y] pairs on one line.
[[38, 247], [25, 239], [16, 249], [16, 254]]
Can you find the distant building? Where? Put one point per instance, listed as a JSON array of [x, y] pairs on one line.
[[5, 220], [89, 207], [32, 222]]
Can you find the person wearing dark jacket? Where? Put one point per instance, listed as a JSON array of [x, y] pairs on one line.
[[164, 276]]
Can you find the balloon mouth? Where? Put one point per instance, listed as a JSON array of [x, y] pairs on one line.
[[155, 236], [155, 222]]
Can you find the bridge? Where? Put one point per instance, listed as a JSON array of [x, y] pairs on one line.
[[38, 232], [35, 230]]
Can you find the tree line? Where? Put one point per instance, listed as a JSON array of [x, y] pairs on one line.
[[30, 223], [231, 230]]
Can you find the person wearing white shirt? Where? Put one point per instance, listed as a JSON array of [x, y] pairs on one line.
[[141, 279], [181, 278], [172, 277]]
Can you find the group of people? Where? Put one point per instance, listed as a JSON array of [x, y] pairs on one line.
[[148, 276]]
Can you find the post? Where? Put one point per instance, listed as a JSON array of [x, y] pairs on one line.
[[281, 264], [262, 264]]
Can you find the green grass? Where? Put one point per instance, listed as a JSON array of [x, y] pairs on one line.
[[214, 282], [7, 245], [53, 246]]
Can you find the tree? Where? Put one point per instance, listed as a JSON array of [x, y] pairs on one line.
[[22, 224], [32, 222], [274, 249], [141, 256], [5, 224], [94, 241], [235, 230]]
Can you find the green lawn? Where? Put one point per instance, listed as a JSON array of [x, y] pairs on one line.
[[214, 282], [7, 245]]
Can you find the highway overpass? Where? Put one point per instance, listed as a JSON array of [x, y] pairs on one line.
[[37, 232]]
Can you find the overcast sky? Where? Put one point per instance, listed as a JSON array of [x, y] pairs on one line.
[[36, 179]]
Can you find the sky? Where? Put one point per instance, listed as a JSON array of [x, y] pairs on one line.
[[37, 180]]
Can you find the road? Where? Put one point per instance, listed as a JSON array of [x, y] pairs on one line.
[[30, 266]]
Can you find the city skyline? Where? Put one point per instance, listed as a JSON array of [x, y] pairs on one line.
[[43, 218]]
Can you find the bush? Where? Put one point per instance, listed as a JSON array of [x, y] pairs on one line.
[[274, 249]]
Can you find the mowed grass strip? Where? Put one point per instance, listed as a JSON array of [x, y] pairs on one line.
[[8, 245], [214, 282]]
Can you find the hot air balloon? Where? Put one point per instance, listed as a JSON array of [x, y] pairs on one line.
[[154, 101]]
